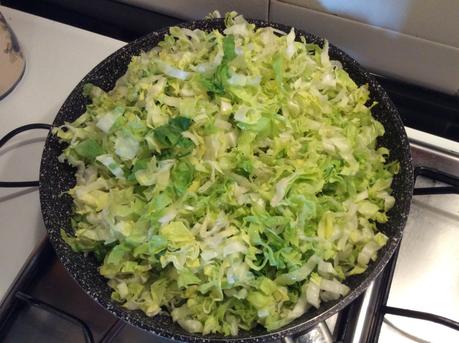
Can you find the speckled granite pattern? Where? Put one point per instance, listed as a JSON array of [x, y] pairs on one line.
[[57, 178]]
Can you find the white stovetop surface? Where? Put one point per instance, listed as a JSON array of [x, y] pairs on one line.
[[57, 58]]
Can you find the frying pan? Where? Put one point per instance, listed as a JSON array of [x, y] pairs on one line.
[[57, 178]]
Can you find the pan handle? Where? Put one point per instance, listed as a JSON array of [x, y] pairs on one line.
[[437, 175], [6, 138]]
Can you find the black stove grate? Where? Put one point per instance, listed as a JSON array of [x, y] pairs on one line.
[[31, 301]]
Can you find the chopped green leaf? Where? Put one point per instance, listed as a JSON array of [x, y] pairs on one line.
[[232, 178]]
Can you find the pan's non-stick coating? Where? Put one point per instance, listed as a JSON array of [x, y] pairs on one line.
[[57, 178]]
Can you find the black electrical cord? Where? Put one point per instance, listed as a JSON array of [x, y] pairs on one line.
[[6, 138]]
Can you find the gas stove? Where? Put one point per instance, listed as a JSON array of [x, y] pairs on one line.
[[410, 301]]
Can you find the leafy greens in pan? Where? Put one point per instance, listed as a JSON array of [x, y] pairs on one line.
[[230, 179]]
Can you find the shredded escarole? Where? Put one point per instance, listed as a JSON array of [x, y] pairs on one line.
[[230, 179]]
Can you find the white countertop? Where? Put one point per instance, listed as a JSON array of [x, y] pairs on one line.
[[57, 58]]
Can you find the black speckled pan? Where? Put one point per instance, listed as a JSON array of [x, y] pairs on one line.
[[56, 178]]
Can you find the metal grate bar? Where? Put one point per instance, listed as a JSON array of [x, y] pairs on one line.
[[60, 313], [421, 315]]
